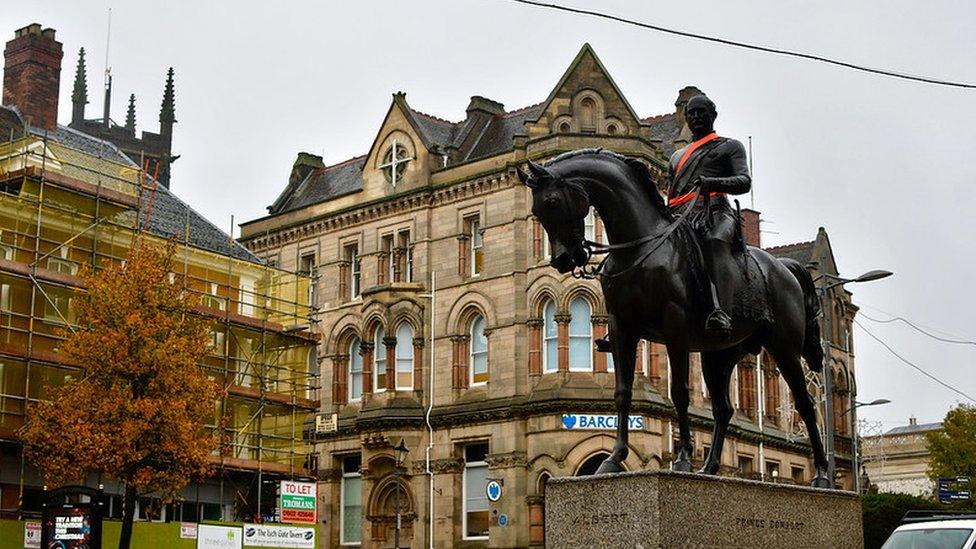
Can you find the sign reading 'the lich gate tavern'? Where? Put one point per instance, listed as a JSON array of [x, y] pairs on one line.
[[298, 502]]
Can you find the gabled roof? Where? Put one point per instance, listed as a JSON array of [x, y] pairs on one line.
[[584, 51], [802, 252], [323, 184]]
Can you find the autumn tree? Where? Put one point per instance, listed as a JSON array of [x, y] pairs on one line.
[[953, 447], [138, 412]]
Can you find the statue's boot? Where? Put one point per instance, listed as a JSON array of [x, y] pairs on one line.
[[602, 344], [718, 323]]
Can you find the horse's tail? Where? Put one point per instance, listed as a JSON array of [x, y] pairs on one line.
[[812, 349]]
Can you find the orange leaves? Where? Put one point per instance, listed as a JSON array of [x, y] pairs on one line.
[[138, 414]]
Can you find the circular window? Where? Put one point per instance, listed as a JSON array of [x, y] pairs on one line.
[[612, 129], [395, 163], [564, 127]]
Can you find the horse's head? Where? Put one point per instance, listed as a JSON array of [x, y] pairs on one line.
[[561, 206]]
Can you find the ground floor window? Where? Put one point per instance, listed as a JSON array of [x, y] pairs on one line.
[[475, 510], [351, 511], [592, 463]]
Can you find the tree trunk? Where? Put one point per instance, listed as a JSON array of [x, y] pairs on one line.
[[128, 516]]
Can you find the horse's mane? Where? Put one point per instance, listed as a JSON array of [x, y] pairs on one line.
[[638, 168]]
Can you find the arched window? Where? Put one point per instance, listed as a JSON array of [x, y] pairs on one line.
[[580, 335], [591, 464], [589, 225], [564, 127], [587, 114], [612, 129], [355, 371], [379, 361], [404, 356], [550, 353], [478, 360]]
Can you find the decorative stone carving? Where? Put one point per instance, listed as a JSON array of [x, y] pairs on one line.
[[507, 460]]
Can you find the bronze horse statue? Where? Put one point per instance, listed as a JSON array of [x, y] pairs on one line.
[[650, 292]]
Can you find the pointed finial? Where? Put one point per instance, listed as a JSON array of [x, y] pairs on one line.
[[167, 114], [130, 116], [80, 93]]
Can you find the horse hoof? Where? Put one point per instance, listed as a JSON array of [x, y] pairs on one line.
[[609, 465], [683, 466], [821, 482]]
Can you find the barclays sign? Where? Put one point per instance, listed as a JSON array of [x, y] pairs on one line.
[[600, 422]]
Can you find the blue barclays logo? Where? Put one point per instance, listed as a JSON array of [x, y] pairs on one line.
[[600, 421]]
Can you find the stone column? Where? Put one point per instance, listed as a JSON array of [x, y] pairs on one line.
[[562, 341], [599, 329], [340, 373], [418, 364], [366, 350], [390, 344], [535, 346]]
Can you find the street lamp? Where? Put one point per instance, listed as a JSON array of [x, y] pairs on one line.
[[856, 458], [828, 384], [400, 454]]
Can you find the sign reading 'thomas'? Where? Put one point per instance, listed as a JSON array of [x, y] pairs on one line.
[[298, 502]]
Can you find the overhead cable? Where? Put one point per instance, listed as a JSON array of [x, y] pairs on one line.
[[913, 365], [933, 336], [755, 47]]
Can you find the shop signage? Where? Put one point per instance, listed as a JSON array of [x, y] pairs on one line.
[[298, 502], [493, 490], [32, 535], [211, 536], [326, 423], [188, 530], [600, 422], [265, 535]]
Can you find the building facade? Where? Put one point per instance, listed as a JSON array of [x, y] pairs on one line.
[[70, 200], [898, 460], [442, 325]]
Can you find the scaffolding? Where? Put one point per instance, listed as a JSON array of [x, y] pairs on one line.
[[61, 209]]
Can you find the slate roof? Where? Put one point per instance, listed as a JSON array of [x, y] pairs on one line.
[[919, 428], [802, 252], [323, 184], [664, 127], [169, 216]]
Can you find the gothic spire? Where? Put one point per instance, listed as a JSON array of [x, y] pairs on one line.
[[130, 116], [79, 96], [167, 114]]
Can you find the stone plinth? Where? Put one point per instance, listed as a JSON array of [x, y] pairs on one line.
[[663, 509]]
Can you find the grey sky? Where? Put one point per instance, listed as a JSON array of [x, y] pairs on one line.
[[886, 166]]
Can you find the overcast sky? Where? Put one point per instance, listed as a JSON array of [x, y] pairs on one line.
[[885, 165]]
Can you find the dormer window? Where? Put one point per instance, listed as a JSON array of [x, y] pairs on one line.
[[395, 163]]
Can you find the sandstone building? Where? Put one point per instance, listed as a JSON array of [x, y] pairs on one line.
[[898, 460], [443, 325]]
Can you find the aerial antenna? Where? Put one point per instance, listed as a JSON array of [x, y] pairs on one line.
[[108, 73], [752, 201]]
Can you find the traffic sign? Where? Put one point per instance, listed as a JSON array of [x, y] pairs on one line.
[[493, 490]]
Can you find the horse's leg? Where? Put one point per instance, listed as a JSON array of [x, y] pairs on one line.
[[624, 348], [717, 368], [678, 356], [792, 370]]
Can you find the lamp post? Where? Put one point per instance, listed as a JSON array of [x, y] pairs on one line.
[[400, 455], [828, 385], [856, 458]]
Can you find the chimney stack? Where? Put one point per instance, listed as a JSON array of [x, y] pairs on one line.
[[750, 227], [32, 75]]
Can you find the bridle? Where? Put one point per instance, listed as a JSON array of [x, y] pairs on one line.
[[592, 248]]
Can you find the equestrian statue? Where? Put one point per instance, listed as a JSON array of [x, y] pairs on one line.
[[679, 273]]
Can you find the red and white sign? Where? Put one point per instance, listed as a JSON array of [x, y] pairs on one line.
[[298, 501]]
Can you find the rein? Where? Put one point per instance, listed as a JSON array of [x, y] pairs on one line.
[[595, 248]]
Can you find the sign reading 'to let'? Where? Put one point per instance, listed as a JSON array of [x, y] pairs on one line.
[[298, 502]]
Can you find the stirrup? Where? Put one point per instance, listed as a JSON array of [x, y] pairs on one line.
[[719, 323], [602, 344]]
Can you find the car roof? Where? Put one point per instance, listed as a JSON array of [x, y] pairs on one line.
[[938, 524]]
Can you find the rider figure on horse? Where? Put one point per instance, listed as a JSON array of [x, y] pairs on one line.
[[713, 167]]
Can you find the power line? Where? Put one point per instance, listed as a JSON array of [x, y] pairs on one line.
[[913, 365], [933, 336], [766, 49]]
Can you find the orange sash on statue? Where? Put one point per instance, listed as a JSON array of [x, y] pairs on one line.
[[691, 149]]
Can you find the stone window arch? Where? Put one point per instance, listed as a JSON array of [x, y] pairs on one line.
[[591, 464], [588, 111]]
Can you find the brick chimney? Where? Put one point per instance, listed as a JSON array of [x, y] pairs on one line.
[[750, 227], [32, 74]]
